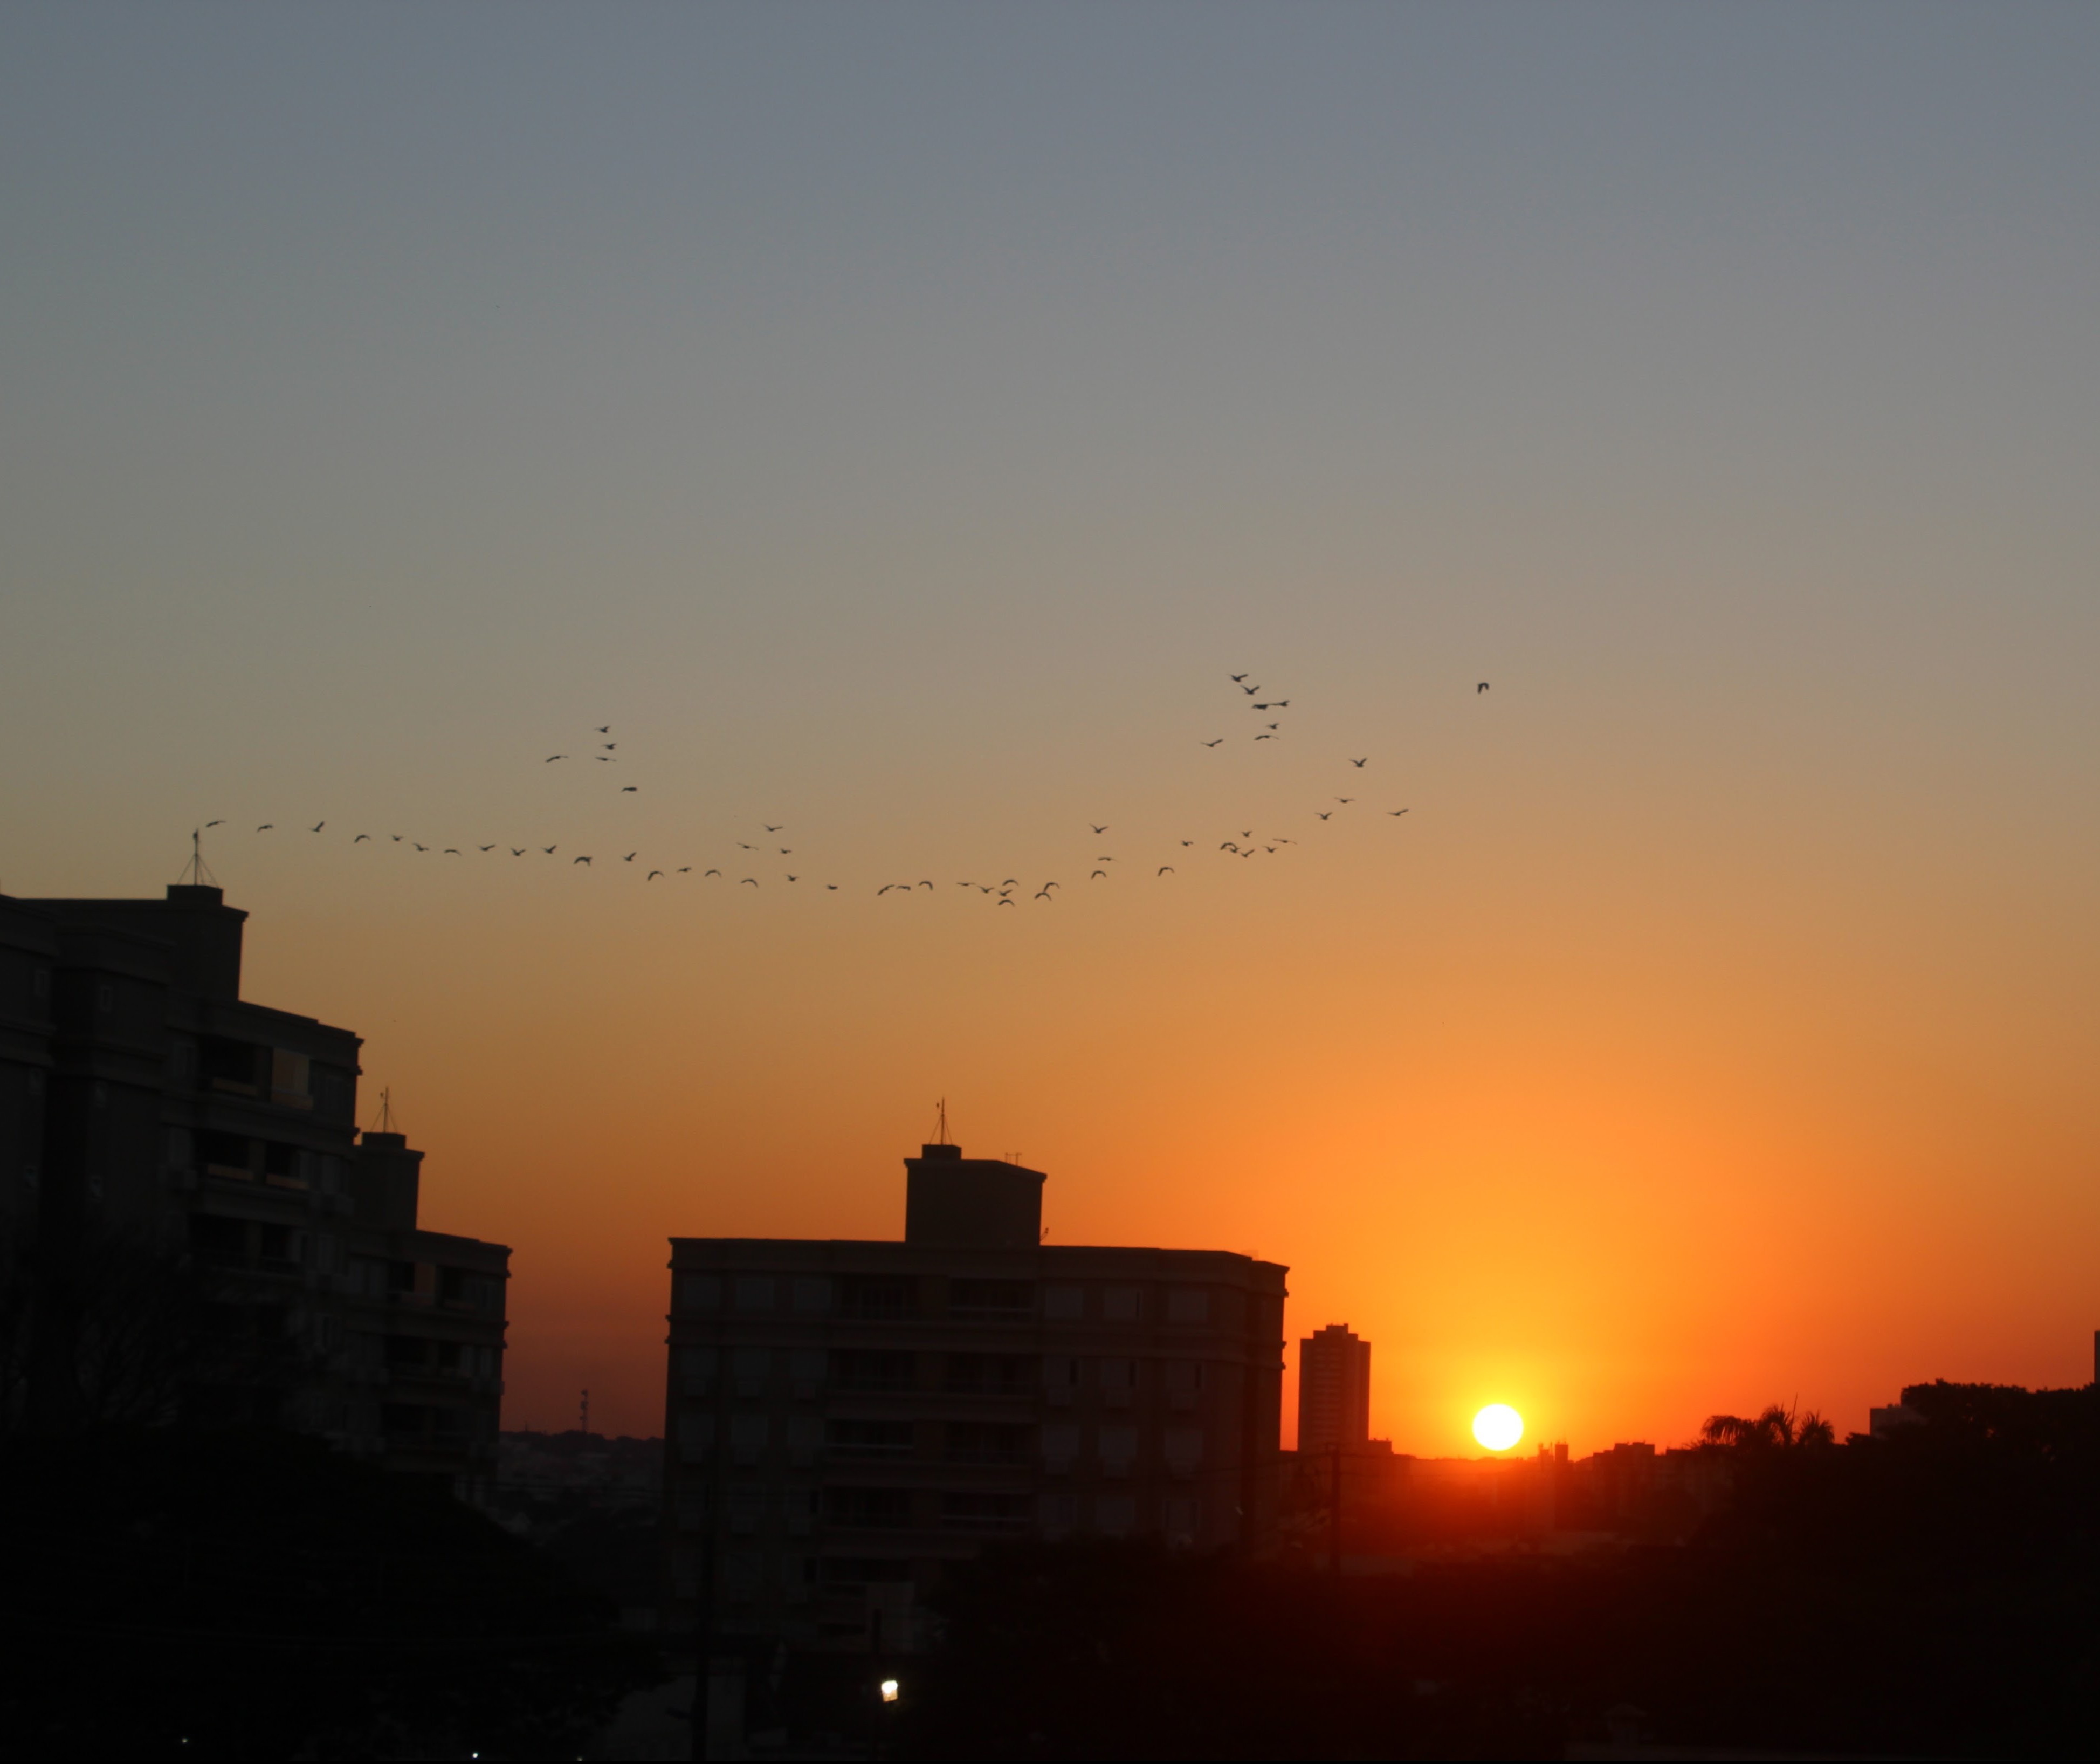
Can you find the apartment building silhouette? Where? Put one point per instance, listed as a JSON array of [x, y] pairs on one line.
[[1333, 1390], [843, 1418], [164, 1141]]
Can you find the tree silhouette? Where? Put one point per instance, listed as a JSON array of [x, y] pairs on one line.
[[1777, 1428]]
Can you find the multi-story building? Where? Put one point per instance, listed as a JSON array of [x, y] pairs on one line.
[[1333, 1390], [843, 1418], [191, 1222]]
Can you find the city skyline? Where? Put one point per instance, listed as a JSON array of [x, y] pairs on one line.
[[900, 433]]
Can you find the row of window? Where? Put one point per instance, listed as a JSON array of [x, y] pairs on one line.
[[755, 1371], [240, 1158], [1057, 1445], [232, 1067], [889, 1298]]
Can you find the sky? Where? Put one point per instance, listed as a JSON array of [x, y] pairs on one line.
[[898, 422]]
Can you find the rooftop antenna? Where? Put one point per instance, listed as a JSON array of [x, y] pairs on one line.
[[940, 1126], [195, 873], [385, 1124]]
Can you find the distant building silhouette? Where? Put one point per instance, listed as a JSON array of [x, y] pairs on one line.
[[168, 1144], [1333, 1389], [844, 1419]]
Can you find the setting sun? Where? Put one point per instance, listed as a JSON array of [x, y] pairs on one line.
[[1498, 1426]]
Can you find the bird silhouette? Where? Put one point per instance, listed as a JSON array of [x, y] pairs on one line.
[[752, 880], [630, 857], [794, 878], [452, 851], [1257, 707], [605, 759], [1276, 725], [1249, 690], [1481, 687], [1003, 902], [1283, 704], [1166, 869], [786, 850], [1396, 812], [605, 728], [1219, 742], [1187, 842], [485, 848], [629, 789], [883, 890], [1053, 885], [267, 826], [927, 885], [1345, 800], [1044, 894], [518, 850], [1246, 832], [1360, 763], [1228, 846], [580, 860], [361, 836], [548, 849], [1264, 737], [1011, 881], [742, 847], [610, 746], [684, 870], [419, 845], [317, 826], [209, 825], [1238, 678], [1325, 814], [705, 874], [772, 828], [655, 873], [1097, 830], [552, 757], [832, 886]]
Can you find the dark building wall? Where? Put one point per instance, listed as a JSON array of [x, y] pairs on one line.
[[145, 1110]]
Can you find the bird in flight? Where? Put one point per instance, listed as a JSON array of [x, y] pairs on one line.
[[1228, 846], [485, 848], [752, 880], [1219, 742], [684, 870], [706, 873], [630, 857], [452, 851], [548, 849], [1249, 690], [1264, 737], [794, 878], [1097, 830], [655, 873], [772, 828], [1260, 707], [786, 850], [361, 836], [317, 826], [1396, 812], [605, 728], [518, 850], [1481, 687], [209, 825], [605, 759], [580, 860], [610, 746], [629, 789], [1003, 901], [1238, 678], [1187, 842], [833, 887], [1360, 763], [552, 757], [1166, 869], [742, 847], [1044, 894], [1325, 814], [883, 890], [927, 885], [1345, 800], [419, 845], [267, 826]]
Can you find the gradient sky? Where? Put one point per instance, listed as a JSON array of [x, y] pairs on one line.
[[898, 421]]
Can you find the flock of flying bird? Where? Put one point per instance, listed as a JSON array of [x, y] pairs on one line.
[[1001, 893]]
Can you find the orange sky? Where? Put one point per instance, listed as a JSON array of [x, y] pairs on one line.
[[898, 422]]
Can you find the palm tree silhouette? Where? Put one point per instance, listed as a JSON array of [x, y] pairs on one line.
[[1775, 1428]]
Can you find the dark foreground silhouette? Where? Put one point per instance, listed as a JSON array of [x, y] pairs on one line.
[[254, 1595], [1935, 1592]]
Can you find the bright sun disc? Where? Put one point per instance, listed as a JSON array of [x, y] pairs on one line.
[[1498, 1426]]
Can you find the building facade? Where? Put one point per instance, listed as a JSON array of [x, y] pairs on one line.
[[843, 1418], [1333, 1390], [188, 1204]]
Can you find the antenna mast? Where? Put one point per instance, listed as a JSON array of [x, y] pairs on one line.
[[941, 1124], [195, 874]]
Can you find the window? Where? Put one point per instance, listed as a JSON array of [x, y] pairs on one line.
[[990, 1299], [747, 1508], [806, 1371], [367, 1275], [1059, 1512], [748, 1437], [991, 1374], [403, 1420], [805, 1433], [754, 1292], [812, 1295], [984, 1512], [1184, 1449], [407, 1351], [1188, 1304], [1118, 1447], [280, 1166], [1115, 1514], [696, 1438], [699, 1292], [742, 1572], [1061, 1446], [869, 1509], [1124, 1304], [228, 1066], [1184, 1382], [698, 1366], [1061, 1378], [868, 1439], [873, 1371], [217, 1241], [279, 1243], [973, 1442], [1119, 1381], [1066, 1303], [874, 1299], [751, 1367], [290, 1079], [225, 1154]]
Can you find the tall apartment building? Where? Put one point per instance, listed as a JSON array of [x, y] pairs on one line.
[[1333, 1390], [844, 1419], [157, 1127]]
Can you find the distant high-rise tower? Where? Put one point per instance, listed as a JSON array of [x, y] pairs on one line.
[[1333, 1389]]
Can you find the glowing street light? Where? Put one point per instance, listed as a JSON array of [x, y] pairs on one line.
[[890, 1690]]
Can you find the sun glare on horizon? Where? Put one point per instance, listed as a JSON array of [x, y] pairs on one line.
[[1498, 1426]]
